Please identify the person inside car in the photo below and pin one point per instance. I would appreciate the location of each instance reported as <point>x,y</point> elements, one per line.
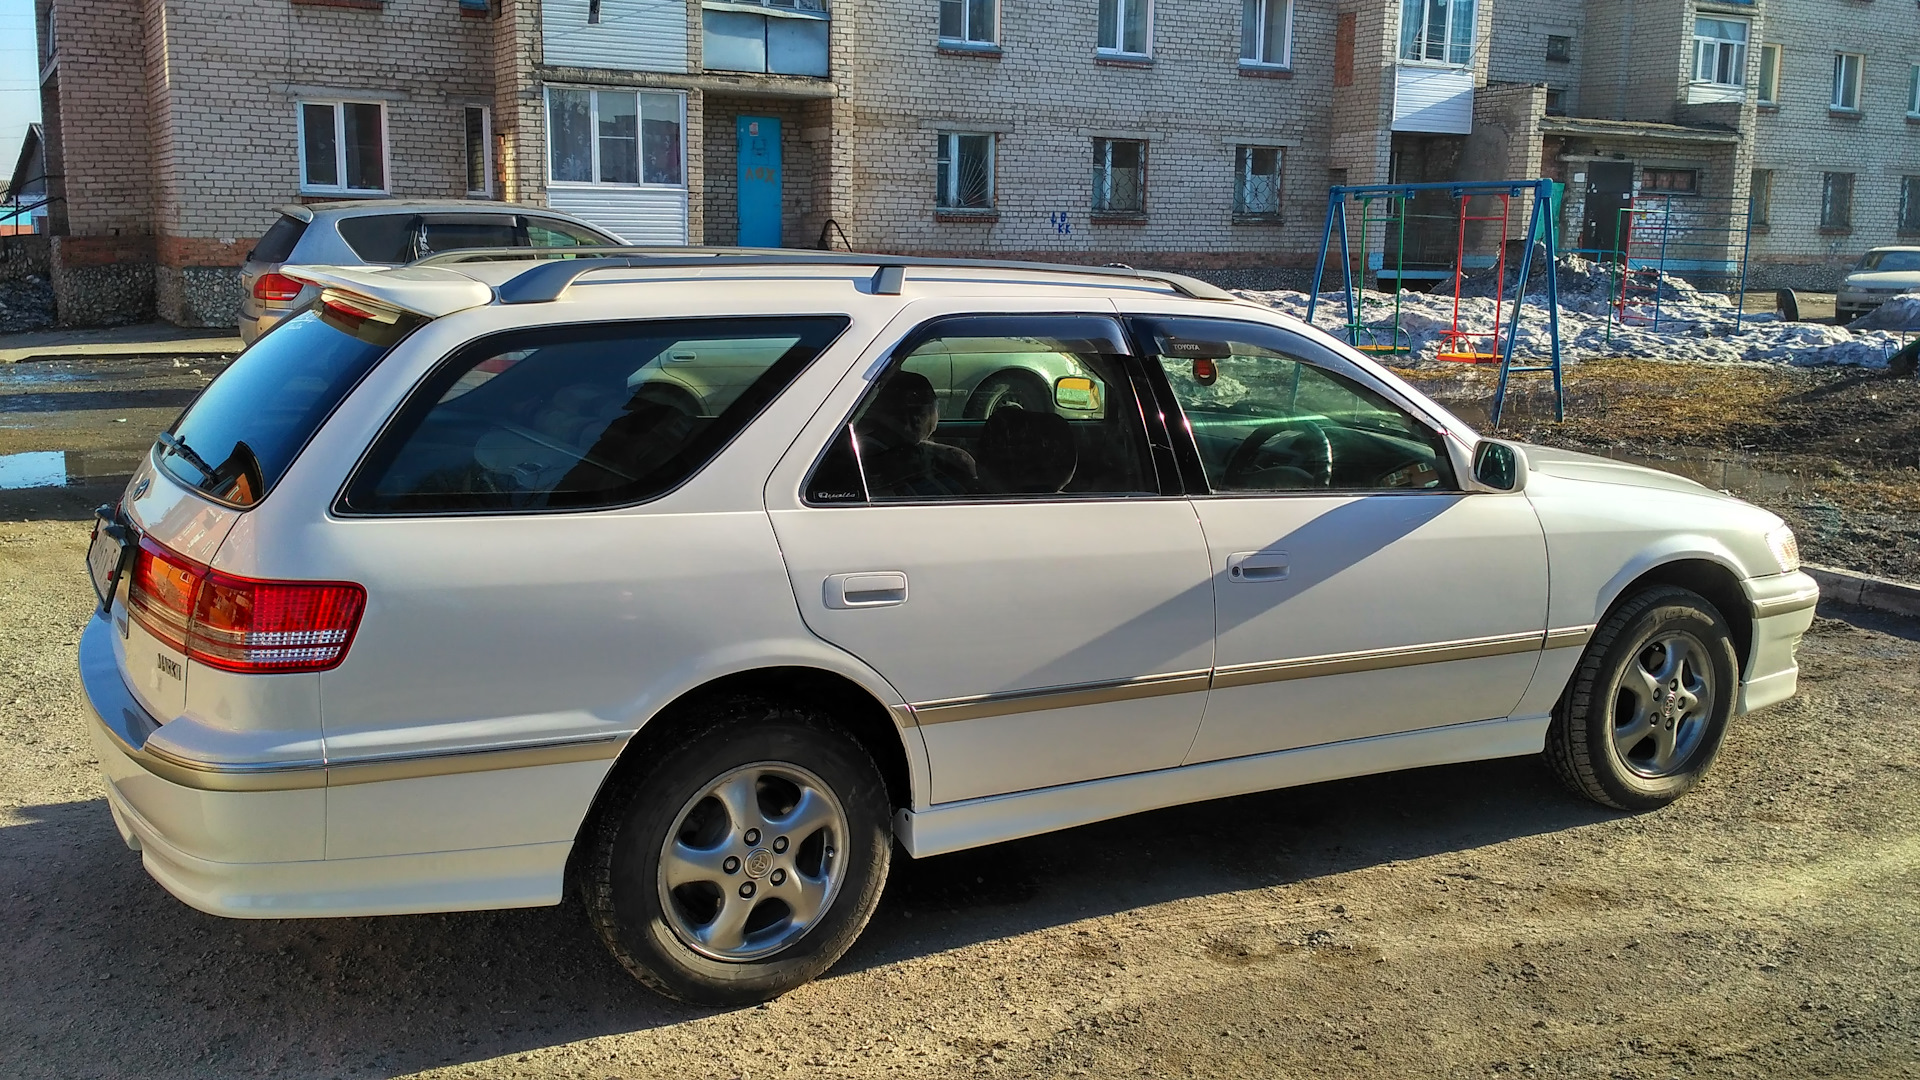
<point>897,450</point>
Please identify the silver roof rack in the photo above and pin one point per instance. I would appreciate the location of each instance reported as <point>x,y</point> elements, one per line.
<point>558,268</point>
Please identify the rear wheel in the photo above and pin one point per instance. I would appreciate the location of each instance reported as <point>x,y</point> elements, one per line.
<point>742,859</point>
<point>1648,707</point>
<point>1011,388</point>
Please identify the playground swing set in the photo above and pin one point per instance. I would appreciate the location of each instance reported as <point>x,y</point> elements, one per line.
<point>1459,345</point>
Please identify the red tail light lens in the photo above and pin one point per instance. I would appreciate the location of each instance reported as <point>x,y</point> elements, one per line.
<point>275,287</point>
<point>242,624</point>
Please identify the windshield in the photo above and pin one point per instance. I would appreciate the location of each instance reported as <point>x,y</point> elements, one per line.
<point>239,436</point>
<point>1891,261</point>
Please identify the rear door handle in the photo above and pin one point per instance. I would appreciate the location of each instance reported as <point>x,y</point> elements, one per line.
<point>1257,566</point>
<point>879,588</point>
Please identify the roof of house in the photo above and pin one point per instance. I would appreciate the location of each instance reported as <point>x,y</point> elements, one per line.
<point>31,166</point>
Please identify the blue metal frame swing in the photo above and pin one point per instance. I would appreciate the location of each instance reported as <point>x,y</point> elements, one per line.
<point>1540,228</point>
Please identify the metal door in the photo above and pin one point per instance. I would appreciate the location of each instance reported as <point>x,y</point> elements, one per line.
<point>1609,191</point>
<point>759,185</point>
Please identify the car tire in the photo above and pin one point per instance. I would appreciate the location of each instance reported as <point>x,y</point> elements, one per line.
<point>1647,709</point>
<point>680,816</point>
<point>1020,389</point>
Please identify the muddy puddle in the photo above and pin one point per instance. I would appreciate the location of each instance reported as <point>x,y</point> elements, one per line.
<point>64,468</point>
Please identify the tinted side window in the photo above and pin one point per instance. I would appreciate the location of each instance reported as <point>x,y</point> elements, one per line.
<point>995,407</point>
<point>581,417</point>
<point>380,238</point>
<point>490,231</point>
<point>278,243</point>
<point>1265,420</point>
<point>550,232</point>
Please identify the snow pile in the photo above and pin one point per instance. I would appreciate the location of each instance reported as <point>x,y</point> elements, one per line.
<point>1900,313</point>
<point>1693,325</point>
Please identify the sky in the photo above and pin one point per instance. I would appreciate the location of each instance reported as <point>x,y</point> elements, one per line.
<point>19,80</point>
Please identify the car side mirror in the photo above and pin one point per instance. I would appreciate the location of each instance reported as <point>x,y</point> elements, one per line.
<point>1498,466</point>
<point>1076,393</point>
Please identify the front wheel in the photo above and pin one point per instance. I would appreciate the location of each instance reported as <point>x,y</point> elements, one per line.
<point>1648,707</point>
<point>743,859</point>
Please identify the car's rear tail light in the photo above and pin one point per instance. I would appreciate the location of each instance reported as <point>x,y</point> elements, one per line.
<point>242,624</point>
<point>275,287</point>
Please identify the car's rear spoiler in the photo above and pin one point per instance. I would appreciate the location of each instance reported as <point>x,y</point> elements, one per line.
<point>420,290</point>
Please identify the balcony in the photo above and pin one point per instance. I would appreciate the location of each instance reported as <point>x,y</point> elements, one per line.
<point>767,37</point>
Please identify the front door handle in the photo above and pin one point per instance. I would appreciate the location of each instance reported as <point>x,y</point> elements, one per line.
<point>881,588</point>
<point>1257,566</point>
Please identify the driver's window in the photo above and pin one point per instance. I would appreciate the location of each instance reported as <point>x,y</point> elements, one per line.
<point>1264,420</point>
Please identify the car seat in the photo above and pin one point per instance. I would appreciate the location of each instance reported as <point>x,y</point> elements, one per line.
<point>1029,452</point>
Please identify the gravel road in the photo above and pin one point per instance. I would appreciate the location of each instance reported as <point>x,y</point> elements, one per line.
<point>1470,920</point>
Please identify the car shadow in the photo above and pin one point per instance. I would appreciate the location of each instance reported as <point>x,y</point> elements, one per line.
<point>94,938</point>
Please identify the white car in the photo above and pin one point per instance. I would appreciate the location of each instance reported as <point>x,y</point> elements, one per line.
<point>1882,274</point>
<point>428,604</point>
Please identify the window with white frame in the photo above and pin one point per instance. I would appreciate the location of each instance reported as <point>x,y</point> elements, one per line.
<point>1256,181</point>
<point>1720,51</point>
<point>614,137</point>
<point>479,124</point>
<point>1913,90</point>
<point>1440,31</point>
<point>1266,32</point>
<point>1126,26</point>
<point>1769,74</point>
<point>1848,68</point>
<point>343,146</point>
<point>1119,176</point>
<point>968,22</point>
<point>964,171</point>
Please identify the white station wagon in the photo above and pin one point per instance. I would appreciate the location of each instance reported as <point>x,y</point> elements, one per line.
<point>432,601</point>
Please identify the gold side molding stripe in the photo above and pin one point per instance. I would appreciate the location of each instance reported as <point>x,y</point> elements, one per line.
<point>1064,697</point>
<point>1783,605</point>
<point>1569,637</point>
<point>303,775</point>
<point>1308,667</point>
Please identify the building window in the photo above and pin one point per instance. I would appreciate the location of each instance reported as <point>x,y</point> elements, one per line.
<point>1256,183</point>
<point>1910,205</point>
<point>479,151</point>
<point>1126,26</point>
<point>968,22</point>
<point>614,137</point>
<point>965,172</point>
<point>782,37</point>
<point>1119,176</point>
<point>343,146</point>
<point>1913,90</point>
<point>1671,182</point>
<point>1437,30</point>
<point>1559,49</point>
<point>1847,70</point>
<point>1836,202</point>
<point>1266,32</point>
<point>1760,199</point>
<point>1720,51</point>
<point>1556,102</point>
<point>1769,74</point>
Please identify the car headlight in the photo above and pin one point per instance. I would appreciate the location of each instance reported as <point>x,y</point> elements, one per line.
<point>1786,549</point>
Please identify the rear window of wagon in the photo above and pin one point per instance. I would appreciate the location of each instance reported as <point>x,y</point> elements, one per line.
<point>239,436</point>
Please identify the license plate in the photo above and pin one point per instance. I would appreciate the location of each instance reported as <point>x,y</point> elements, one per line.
<point>107,556</point>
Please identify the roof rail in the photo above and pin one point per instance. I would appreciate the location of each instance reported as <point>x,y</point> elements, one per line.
<point>598,251</point>
<point>550,280</point>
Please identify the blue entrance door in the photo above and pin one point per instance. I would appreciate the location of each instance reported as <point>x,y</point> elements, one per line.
<point>759,138</point>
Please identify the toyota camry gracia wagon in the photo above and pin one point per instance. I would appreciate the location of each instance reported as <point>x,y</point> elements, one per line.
<point>448,593</point>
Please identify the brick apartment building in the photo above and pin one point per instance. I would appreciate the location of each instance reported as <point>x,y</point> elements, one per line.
<point>1195,133</point>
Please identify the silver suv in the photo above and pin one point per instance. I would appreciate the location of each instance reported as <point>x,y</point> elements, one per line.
<point>386,232</point>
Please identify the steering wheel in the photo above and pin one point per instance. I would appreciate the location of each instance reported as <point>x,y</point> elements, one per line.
<point>1316,464</point>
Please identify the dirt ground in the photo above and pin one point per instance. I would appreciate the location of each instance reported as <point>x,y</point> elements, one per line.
<point>1834,451</point>
<point>1463,921</point>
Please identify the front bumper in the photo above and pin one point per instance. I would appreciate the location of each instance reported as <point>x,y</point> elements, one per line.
<point>1782,606</point>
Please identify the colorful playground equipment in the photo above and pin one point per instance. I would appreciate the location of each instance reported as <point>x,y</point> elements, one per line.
<point>1699,238</point>
<point>1458,344</point>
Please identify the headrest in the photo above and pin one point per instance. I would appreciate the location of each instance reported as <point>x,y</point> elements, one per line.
<point>1029,452</point>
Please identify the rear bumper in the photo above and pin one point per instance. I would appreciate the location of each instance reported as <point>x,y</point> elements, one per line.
<point>1783,606</point>
<point>220,842</point>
